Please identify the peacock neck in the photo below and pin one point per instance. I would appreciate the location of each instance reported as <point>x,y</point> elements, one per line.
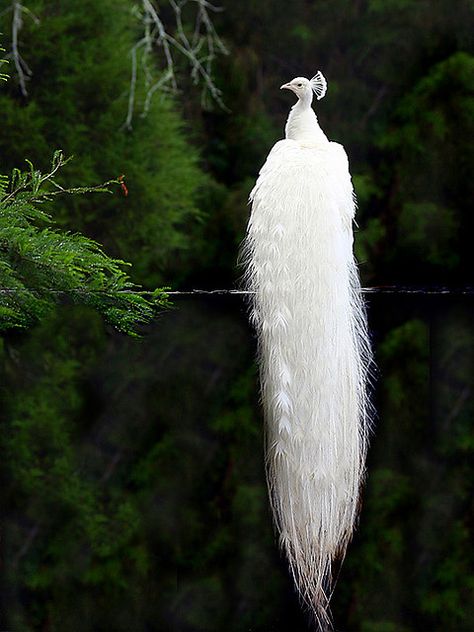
<point>302,124</point>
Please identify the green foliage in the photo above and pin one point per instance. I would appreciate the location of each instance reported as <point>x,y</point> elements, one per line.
<point>428,232</point>
<point>79,56</point>
<point>367,241</point>
<point>85,530</point>
<point>133,487</point>
<point>129,514</point>
<point>41,265</point>
<point>432,126</point>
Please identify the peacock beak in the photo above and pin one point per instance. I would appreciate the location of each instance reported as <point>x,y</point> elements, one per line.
<point>286,86</point>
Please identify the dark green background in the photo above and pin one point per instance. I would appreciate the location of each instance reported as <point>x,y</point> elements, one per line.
<point>133,494</point>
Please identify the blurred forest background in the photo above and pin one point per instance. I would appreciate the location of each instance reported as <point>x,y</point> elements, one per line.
<point>132,480</point>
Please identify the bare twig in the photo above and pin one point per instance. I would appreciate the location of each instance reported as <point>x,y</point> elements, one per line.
<point>17,23</point>
<point>24,72</point>
<point>199,50</point>
<point>133,84</point>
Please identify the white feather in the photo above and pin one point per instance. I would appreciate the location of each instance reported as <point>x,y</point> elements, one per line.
<point>319,85</point>
<point>313,347</point>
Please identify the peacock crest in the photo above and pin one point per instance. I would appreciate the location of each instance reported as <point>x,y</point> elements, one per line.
<point>319,85</point>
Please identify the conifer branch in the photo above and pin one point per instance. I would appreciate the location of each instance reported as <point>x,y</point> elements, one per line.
<point>41,265</point>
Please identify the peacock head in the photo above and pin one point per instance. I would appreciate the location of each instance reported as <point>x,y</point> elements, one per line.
<point>303,88</point>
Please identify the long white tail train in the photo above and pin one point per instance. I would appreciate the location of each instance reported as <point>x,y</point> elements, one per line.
<point>313,345</point>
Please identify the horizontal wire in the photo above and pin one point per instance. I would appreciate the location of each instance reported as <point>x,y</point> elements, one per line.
<point>377,289</point>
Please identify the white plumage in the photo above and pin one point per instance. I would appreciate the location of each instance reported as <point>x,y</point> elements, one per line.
<point>313,345</point>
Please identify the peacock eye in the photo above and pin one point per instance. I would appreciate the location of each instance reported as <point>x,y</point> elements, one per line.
<point>300,85</point>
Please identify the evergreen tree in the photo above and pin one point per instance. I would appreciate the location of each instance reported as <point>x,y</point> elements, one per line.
<point>79,55</point>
